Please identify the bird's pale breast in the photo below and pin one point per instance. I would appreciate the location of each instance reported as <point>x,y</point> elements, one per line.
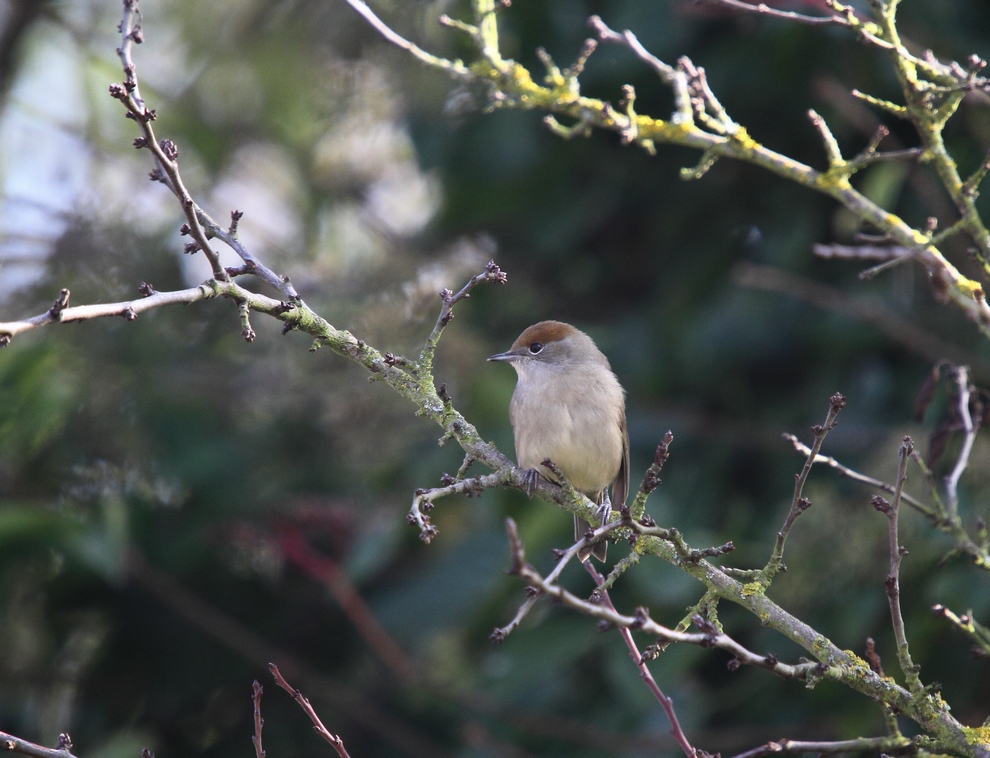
<point>583,439</point>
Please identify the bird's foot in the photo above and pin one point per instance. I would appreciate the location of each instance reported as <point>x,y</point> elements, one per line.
<point>530,477</point>
<point>604,511</point>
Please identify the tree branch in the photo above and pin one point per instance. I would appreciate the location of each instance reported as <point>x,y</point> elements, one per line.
<point>129,309</point>
<point>303,701</point>
<point>892,582</point>
<point>14,744</point>
<point>799,503</point>
<point>639,661</point>
<point>716,135</point>
<point>896,745</point>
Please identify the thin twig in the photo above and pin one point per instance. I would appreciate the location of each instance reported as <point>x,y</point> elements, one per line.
<point>765,10</point>
<point>129,309</point>
<point>969,626</point>
<point>832,150</point>
<point>641,621</point>
<point>423,499</point>
<point>892,582</point>
<point>861,252</point>
<point>799,503</point>
<point>651,479</point>
<point>970,427</point>
<point>165,152</point>
<point>253,265</point>
<point>456,68</point>
<point>492,273</point>
<point>858,477</point>
<point>672,77</point>
<point>333,739</point>
<point>13,744</point>
<point>533,594</point>
<point>665,701</point>
<point>898,745</point>
<point>256,690</point>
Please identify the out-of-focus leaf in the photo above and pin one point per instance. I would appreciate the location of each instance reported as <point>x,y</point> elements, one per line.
<point>926,393</point>
<point>37,395</point>
<point>25,524</point>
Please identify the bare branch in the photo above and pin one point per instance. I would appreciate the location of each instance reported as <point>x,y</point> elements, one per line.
<point>252,264</point>
<point>979,634</point>
<point>455,68</point>
<point>765,10</point>
<point>256,690</point>
<point>14,744</point>
<point>492,273</point>
<point>303,701</point>
<point>644,672</point>
<point>532,593</point>
<point>858,477</point>
<point>835,158</point>
<point>165,151</point>
<point>892,582</point>
<point>423,499</point>
<point>799,503</point>
<point>861,252</point>
<point>128,309</point>
<point>969,428</point>
<point>651,480</point>
<point>716,135</point>
<point>894,745</point>
<point>642,622</point>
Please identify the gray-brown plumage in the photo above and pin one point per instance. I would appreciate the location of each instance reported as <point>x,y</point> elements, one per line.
<point>569,407</point>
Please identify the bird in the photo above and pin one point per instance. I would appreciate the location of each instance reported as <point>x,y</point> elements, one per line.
<point>569,406</point>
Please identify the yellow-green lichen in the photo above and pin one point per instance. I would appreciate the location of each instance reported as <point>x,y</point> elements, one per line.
<point>753,588</point>
<point>979,735</point>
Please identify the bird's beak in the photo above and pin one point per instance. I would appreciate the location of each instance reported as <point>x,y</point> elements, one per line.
<point>508,356</point>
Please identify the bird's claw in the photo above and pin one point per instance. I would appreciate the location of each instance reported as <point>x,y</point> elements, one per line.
<point>604,510</point>
<point>530,477</point>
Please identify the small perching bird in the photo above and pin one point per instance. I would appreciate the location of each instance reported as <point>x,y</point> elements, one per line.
<point>569,407</point>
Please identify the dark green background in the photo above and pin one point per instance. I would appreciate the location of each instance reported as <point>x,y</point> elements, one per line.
<point>172,436</point>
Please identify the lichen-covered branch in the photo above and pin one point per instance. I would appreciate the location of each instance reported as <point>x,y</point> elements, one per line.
<point>932,90</point>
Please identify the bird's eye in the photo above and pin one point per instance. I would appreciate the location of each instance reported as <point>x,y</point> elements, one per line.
<point>536,347</point>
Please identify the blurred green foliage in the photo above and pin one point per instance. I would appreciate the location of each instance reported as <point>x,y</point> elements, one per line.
<point>171,440</point>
